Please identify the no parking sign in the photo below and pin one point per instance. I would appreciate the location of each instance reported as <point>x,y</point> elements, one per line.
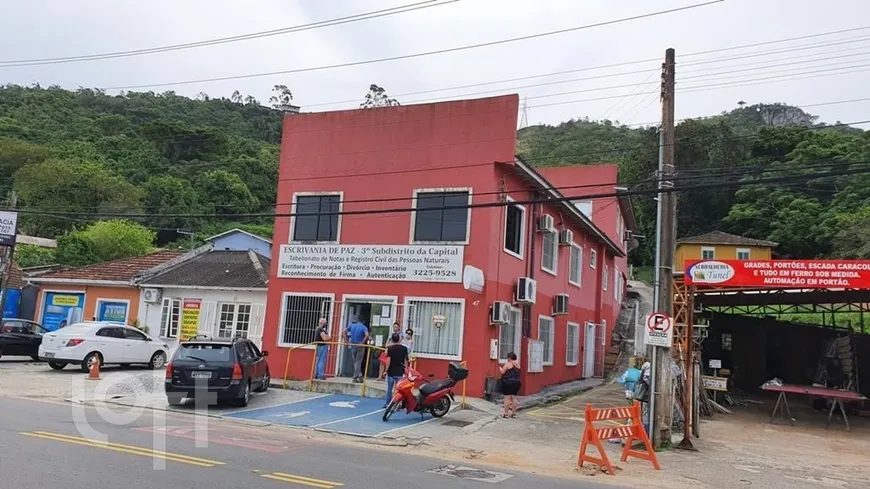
<point>659,330</point>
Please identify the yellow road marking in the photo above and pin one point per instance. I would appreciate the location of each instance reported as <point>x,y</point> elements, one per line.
<point>117,447</point>
<point>304,481</point>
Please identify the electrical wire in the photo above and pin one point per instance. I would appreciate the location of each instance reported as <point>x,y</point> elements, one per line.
<point>423,53</point>
<point>224,40</point>
<point>562,199</point>
<point>708,173</point>
<point>648,60</point>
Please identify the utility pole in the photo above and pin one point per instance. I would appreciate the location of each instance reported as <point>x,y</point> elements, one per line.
<point>188,233</point>
<point>662,398</point>
<point>8,255</point>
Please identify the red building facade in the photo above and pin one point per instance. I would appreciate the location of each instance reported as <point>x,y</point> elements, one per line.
<point>404,214</point>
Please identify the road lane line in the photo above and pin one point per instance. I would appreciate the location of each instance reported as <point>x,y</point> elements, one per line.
<point>304,481</point>
<point>128,449</point>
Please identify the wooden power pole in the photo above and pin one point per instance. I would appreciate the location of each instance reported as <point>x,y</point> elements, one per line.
<point>663,392</point>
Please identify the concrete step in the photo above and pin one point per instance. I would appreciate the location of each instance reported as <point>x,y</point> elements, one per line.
<point>339,385</point>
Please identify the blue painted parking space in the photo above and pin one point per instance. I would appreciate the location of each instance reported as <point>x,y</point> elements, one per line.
<point>336,413</point>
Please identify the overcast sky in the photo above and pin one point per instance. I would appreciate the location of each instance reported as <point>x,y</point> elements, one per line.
<point>53,28</point>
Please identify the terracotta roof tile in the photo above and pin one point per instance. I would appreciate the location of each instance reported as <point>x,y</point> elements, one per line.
<point>720,238</point>
<point>116,270</point>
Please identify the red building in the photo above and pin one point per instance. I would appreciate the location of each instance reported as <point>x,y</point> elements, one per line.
<point>399,215</point>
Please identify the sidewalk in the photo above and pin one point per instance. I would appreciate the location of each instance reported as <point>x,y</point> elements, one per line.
<point>734,451</point>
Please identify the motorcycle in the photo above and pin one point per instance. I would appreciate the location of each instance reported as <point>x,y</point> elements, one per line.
<point>416,394</point>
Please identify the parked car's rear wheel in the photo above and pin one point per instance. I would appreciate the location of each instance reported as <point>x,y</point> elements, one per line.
<point>57,365</point>
<point>90,360</point>
<point>246,395</point>
<point>265,385</point>
<point>158,361</point>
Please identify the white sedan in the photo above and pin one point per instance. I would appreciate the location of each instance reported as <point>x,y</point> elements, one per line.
<point>111,343</point>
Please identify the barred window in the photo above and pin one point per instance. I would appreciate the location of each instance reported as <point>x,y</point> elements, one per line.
<point>572,353</point>
<point>301,316</point>
<point>437,325</point>
<point>509,335</point>
<point>546,334</point>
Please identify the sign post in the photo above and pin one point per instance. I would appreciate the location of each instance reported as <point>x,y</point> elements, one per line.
<point>659,332</point>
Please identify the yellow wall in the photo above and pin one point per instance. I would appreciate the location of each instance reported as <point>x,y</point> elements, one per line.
<point>722,252</point>
<point>92,294</point>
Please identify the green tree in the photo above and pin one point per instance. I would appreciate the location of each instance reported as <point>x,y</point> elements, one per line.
<point>166,194</point>
<point>224,192</point>
<point>15,155</point>
<point>27,255</point>
<point>377,97</point>
<point>104,241</point>
<point>71,186</point>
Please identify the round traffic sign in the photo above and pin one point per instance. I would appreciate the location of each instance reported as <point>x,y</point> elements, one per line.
<point>659,322</point>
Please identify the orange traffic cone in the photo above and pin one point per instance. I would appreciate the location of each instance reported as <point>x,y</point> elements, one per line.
<point>94,369</point>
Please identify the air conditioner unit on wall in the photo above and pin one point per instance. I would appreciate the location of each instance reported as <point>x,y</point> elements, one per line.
<point>566,237</point>
<point>527,289</point>
<point>500,313</point>
<point>560,304</point>
<point>151,295</point>
<point>546,224</point>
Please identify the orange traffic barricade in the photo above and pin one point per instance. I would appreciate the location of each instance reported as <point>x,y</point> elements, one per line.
<point>631,432</point>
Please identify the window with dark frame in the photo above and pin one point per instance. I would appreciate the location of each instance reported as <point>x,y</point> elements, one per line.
<point>513,230</point>
<point>434,223</point>
<point>316,217</point>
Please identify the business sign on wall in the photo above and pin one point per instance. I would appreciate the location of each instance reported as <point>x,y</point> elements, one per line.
<point>803,274</point>
<point>404,263</point>
<point>8,227</point>
<point>190,317</point>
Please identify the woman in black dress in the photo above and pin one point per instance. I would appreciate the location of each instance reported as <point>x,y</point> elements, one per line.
<point>510,384</point>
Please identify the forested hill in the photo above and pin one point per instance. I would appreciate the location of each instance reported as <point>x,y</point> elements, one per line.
<point>814,217</point>
<point>86,152</point>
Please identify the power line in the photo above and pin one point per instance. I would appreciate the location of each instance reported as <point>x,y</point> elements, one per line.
<point>710,172</point>
<point>224,40</point>
<point>499,203</point>
<point>424,53</point>
<point>628,63</point>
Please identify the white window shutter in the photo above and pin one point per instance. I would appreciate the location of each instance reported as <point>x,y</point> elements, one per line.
<point>207,322</point>
<point>255,334</point>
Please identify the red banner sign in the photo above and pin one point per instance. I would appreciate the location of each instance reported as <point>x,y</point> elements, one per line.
<point>798,274</point>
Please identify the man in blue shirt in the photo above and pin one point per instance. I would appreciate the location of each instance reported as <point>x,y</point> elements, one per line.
<point>358,336</point>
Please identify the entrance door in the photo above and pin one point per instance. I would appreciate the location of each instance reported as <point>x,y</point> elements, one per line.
<point>589,351</point>
<point>378,318</point>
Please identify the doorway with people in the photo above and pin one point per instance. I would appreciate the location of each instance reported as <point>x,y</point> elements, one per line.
<point>377,314</point>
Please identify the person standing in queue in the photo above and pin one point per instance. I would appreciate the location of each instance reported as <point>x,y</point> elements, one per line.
<point>510,385</point>
<point>320,334</point>
<point>397,361</point>
<point>397,329</point>
<point>358,336</point>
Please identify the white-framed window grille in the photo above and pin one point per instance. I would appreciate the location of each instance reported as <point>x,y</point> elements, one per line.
<point>438,325</point>
<point>572,352</point>
<point>546,334</point>
<point>509,335</point>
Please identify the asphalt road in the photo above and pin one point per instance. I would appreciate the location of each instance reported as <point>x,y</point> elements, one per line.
<point>43,445</point>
